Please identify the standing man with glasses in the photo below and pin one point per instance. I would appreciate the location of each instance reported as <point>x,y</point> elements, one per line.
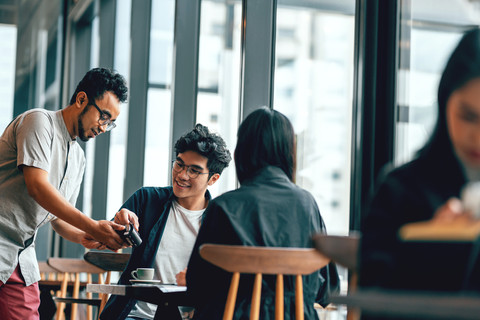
<point>170,218</point>
<point>41,170</point>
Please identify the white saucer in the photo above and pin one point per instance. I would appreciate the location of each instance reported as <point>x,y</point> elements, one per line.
<point>134,281</point>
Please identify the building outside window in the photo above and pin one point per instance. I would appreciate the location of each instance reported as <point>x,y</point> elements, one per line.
<point>313,88</point>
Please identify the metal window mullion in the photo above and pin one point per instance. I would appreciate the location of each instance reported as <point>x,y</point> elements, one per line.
<point>185,67</point>
<point>258,55</point>
<point>374,105</point>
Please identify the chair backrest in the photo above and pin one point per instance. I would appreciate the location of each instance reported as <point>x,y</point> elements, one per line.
<point>70,266</point>
<point>264,260</point>
<point>341,249</point>
<point>46,271</point>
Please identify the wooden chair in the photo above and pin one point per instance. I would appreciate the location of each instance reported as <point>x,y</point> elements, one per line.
<point>47,272</point>
<point>75,267</point>
<point>344,251</point>
<point>264,260</point>
<point>108,261</point>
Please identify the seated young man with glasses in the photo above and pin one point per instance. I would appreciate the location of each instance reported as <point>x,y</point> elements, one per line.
<point>170,217</point>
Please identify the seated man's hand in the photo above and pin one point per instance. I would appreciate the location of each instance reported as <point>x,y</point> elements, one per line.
<point>181,277</point>
<point>125,216</point>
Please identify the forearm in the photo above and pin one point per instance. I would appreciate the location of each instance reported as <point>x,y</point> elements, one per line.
<point>67,231</point>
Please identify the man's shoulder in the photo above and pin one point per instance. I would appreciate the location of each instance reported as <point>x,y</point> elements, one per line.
<point>35,119</point>
<point>159,193</point>
<point>39,113</point>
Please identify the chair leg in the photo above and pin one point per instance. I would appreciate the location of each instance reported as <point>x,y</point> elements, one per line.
<point>89,296</point>
<point>299,315</point>
<point>257,292</point>
<point>279,308</point>
<point>76,290</point>
<point>353,314</point>
<point>232,297</point>
<point>63,293</point>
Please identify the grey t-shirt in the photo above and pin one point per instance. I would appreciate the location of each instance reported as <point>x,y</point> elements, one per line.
<point>37,138</point>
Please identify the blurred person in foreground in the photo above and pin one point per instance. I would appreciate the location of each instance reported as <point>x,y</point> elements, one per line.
<point>428,188</point>
<point>170,217</point>
<point>41,170</point>
<point>267,210</point>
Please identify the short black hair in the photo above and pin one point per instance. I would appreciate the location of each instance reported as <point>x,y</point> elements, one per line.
<point>208,144</point>
<point>265,138</point>
<point>100,80</point>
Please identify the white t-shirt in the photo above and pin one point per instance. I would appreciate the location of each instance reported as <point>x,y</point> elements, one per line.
<point>173,252</point>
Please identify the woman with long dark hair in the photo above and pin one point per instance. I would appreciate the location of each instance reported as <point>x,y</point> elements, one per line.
<point>429,187</point>
<point>267,210</point>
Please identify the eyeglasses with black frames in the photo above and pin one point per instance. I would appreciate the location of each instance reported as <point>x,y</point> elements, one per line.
<point>104,119</point>
<point>191,172</point>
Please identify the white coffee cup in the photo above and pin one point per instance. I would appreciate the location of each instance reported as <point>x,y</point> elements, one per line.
<point>143,273</point>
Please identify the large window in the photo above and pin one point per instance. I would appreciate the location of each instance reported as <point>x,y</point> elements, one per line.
<point>313,88</point>
<point>8,34</point>
<point>428,35</point>
<point>219,76</point>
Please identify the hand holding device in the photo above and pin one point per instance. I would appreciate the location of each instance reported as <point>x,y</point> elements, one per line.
<point>130,235</point>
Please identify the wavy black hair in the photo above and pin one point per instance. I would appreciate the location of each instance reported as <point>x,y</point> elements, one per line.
<point>208,144</point>
<point>100,80</point>
<point>265,138</point>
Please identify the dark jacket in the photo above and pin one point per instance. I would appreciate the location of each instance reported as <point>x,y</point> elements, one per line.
<point>411,193</point>
<point>268,210</point>
<point>152,206</point>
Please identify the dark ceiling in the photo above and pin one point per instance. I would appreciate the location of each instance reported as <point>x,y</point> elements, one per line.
<point>8,11</point>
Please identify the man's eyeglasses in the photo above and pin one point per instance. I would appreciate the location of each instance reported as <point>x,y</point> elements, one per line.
<point>191,172</point>
<point>104,119</point>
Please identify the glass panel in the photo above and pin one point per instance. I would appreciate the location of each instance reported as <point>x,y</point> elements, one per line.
<point>161,42</point>
<point>430,31</point>
<point>157,161</point>
<point>118,137</point>
<point>313,88</point>
<point>8,46</point>
<point>159,115</point>
<point>219,76</point>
